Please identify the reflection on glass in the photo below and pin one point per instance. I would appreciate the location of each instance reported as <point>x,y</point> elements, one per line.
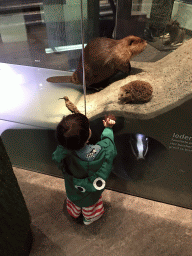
<point>34,31</point>
<point>167,26</point>
<point>139,145</point>
<point>43,38</point>
<point>47,33</point>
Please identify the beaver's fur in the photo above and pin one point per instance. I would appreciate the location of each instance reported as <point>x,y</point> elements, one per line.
<point>103,57</point>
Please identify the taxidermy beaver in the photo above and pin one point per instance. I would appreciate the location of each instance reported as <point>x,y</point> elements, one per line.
<point>103,57</point>
<point>135,92</point>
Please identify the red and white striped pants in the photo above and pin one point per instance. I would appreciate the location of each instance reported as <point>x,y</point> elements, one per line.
<point>90,213</point>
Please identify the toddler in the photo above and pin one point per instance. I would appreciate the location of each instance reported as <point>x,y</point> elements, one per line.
<point>85,167</point>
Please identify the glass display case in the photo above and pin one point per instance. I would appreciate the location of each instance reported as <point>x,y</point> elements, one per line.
<point>42,39</point>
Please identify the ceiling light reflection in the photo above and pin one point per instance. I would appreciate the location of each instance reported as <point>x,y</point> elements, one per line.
<point>11,91</point>
<point>65,48</point>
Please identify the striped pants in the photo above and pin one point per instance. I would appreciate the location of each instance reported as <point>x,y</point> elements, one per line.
<point>89,213</point>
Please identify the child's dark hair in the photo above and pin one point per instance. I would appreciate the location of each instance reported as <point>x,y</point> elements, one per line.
<point>73,131</point>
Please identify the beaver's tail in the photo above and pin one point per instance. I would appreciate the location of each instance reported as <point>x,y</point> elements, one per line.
<point>76,78</point>
<point>60,79</point>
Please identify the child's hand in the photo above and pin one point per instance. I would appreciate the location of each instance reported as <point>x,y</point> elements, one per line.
<point>109,122</point>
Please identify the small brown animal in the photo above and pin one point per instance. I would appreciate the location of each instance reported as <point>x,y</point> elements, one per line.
<point>70,105</point>
<point>135,92</point>
<point>103,57</point>
<point>177,34</point>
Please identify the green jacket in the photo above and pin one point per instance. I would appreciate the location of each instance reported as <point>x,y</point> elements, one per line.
<point>85,181</point>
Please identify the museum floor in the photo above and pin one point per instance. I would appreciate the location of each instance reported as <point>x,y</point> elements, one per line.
<point>131,225</point>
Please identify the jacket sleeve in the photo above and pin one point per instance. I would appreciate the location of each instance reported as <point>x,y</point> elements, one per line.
<point>107,140</point>
<point>107,133</point>
<point>59,154</point>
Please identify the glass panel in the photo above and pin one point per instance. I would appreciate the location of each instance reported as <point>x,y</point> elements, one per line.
<point>44,33</point>
<point>34,31</point>
<point>168,23</point>
<point>164,24</point>
<point>42,38</point>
